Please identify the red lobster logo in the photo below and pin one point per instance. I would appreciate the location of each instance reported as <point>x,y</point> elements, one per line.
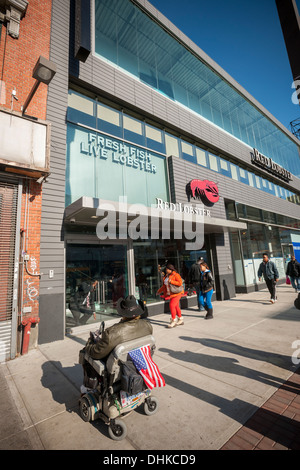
<point>205,190</point>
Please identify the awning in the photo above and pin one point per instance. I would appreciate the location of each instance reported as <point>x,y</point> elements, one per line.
<point>90,211</point>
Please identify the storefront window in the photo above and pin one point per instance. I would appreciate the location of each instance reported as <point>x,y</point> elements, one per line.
<point>102,166</point>
<point>237,259</point>
<point>151,257</point>
<point>85,264</point>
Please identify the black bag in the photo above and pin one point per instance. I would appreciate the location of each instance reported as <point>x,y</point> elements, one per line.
<point>131,381</point>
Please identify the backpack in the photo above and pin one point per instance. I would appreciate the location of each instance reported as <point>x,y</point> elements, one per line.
<point>131,381</point>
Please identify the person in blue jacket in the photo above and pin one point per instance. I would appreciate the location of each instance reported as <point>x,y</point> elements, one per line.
<point>206,289</point>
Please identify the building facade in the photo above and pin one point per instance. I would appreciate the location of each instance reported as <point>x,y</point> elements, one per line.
<point>147,131</point>
<point>24,162</point>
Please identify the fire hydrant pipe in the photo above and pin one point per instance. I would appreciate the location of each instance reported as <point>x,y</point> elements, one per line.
<point>27,322</point>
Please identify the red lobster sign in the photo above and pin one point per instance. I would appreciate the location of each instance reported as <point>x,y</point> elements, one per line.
<point>205,190</point>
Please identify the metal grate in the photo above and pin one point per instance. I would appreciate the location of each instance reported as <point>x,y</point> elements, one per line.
<point>8,217</point>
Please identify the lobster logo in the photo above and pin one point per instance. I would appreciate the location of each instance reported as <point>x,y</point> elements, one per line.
<point>205,190</point>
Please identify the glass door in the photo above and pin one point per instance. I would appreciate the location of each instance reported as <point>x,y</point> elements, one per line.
<point>96,277</point>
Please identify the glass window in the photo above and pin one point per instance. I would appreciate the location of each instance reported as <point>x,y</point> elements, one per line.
<point>81,109</point>
<point>201,157</point>
<point>150,258</point>
<point>213,162</point>
<point>109,120</point>
<point>234,172</point>
<point>237,259</point>
<point>172,145</point>
<point>129,38</point>
<point>251,178</point>
<point>85,264</point>
<point>133,130</point>
<point>188,152</point>
<point>258,181</point>
<point>92,157</point>
<point>225,167</point>
<point>243,175</point>
<point>154,138</point>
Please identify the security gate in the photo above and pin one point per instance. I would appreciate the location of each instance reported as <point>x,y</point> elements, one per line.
<point>8,267</point>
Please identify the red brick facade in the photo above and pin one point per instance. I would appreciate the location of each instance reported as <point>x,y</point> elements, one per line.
<point>17,60</point>
<point>21,55</point>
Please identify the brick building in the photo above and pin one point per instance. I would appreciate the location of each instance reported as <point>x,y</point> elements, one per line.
<point>24,163</point>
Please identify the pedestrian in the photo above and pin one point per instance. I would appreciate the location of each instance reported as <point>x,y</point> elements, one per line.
<point>172,282</point>
<point>270,273</point>
<point>206,290</point>
<point>83,302</point>
<point>293,271</point>
<point>132,325</point>
<point>194,279</point>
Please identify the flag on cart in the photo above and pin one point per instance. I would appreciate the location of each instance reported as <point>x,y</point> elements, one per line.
<point>141,357</point>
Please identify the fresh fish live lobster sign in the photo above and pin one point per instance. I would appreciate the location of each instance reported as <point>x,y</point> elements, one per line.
<point>205,190</point>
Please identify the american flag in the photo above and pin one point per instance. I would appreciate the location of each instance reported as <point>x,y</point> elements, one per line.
<point>142,360</point>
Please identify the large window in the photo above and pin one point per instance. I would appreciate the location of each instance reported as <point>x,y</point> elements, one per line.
<point>130,39</point>
<point>151,257</point>
<point>111,121</point>
<point>266,233</point>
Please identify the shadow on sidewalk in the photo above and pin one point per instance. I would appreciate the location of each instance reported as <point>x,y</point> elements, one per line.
<point>224,364</point>
<point>257,354</point>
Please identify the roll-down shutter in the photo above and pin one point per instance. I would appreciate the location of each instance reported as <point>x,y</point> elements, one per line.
<point>8,218</point>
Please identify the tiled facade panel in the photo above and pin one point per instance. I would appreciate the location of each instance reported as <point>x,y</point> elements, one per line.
<point>183,172</point>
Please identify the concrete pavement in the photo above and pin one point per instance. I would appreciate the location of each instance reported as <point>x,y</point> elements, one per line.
<point>218,373</point>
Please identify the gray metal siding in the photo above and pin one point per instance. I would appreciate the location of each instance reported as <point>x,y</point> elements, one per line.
<point>182,172</point>
<point>52,244</point>
<point>124,88</point>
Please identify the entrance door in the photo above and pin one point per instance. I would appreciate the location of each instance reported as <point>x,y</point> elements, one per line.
<point>86,263</point>
<point>287,252</point>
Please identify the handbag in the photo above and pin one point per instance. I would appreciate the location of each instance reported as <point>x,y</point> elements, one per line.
<point>176,289</point>
<point>288,281</point>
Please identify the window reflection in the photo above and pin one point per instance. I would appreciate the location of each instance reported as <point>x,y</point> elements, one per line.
<point>111,121</point>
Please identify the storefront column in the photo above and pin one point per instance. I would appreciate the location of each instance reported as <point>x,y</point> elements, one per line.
<point>223,269</point>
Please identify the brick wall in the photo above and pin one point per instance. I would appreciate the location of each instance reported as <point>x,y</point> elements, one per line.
<point>17,60</point>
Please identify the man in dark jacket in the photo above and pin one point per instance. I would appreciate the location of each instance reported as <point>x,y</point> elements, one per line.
<point>83,302</point>
<point>268,269</point>
<point>130,327</point>
<point>194,279</point>
<point>293,271</point>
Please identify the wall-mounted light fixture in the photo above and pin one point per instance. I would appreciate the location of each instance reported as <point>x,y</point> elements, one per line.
<point>43,72</point>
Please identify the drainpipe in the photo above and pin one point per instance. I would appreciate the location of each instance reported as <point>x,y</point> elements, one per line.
<point>27,322</point>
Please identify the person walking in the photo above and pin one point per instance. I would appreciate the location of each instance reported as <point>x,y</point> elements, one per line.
<point>270,273</point>
<point>206,290</point>
<point>172,278</point>
<point>194,279</point>
<point>293,271</point>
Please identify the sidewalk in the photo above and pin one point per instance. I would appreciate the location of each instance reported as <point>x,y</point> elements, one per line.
<point>230,383</point>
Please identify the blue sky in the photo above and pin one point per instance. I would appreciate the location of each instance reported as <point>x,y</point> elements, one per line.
<point>245,38</point>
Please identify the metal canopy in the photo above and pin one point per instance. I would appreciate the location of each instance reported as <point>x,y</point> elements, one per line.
<point>84,212</point>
